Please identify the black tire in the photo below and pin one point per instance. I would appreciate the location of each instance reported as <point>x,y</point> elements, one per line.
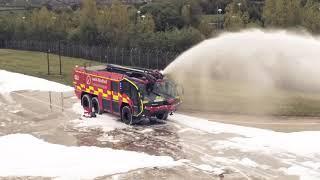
<point>86,101</point>
<point>162,116</point>
<point>96,106</point>
<point>126,115</point>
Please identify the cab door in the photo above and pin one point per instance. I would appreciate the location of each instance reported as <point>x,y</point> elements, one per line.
<point>115,97</point>
<point>132,92</point>
<point>135,99</point>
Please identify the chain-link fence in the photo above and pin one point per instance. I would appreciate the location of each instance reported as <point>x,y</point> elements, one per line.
<point>147,58</point>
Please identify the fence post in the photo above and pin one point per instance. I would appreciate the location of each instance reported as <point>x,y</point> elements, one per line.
<point>132,64</point>
<point>48,62</point>
<point>60,65</point>
<point>108,55</point>
<point>115,55</point>
<point>100,54</point>
<point>157,54</point>
<point>139,58</point>
<point>122,51</point>
<point>148,63</point>
<point>50,101</point>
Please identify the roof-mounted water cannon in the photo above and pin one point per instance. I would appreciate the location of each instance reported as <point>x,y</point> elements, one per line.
<point>139,73</point>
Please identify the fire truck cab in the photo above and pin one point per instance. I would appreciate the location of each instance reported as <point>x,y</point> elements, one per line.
<point>131,93</point>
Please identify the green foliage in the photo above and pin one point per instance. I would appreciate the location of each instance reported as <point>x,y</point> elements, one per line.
<point>179,40</point>
<point>145,24</point>
<point>161,24</point>
<point>172,40</point>
<point>21,29</point>
<point>237,16</point>
<point>88,28</point>
<point>212,6</point>
<point>42,22</point>
<point>211,25</point>
<point>311,16</point>
<point>166,14</point>
<point>113,24</point>
<point>282,13</point>
<point>6,28</point>
<point>186,14</point>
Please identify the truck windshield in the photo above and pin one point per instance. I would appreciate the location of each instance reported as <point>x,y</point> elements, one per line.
<point>164,88</point>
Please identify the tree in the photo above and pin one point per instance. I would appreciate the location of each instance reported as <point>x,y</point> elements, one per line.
<point>311,16</point>
<point>41,23</point>
<point>6,28</point>
<point>104,27</point>
<point>119,16</point>
<point>212,6</point>
<point>63,25</point>
<point>145,24</point>
<point>21,27</point>
<point>166,14</point>
<point>114,23</point>
<point>205,28</point>
<point>236,16</point>
<point>88,28</point>
<point>186,14</point>
<point>179,40</point>
<point>282,13</point>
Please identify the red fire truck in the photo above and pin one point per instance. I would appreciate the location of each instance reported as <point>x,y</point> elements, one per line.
<point>131,93</point>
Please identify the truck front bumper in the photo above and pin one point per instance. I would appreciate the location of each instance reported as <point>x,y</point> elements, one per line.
<point>154,110</point>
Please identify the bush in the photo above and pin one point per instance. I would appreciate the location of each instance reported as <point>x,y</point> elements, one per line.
<point>180,40</point>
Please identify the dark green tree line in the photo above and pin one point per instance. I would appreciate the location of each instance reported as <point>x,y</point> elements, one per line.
<point>161,24</point>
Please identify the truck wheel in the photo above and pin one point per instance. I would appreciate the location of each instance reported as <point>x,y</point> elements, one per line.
<point>126,115</point>
<point>96,106</point>
<point>86,101</point>
<point>162,116</point>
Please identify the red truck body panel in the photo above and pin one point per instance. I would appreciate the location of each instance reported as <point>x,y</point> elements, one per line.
<point>99,84</point>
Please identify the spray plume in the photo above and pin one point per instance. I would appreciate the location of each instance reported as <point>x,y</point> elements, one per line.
<point>252,71</point>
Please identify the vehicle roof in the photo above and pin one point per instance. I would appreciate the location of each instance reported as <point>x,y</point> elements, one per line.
<point>102,73</point>
<point>116,72</point>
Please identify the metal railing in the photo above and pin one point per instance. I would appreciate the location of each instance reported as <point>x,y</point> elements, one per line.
<point>147,58</point>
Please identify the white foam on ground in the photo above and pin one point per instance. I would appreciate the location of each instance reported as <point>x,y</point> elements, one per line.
<point>106,137</point>
<point>254,139</point>
<point>146,130</point>
<point>205,167</point>
<point>10,82</point>
<point>303,172</point>
<point>248,162</point>
<point>278,145</point>
<point>103,122</point>
<point>26,155</point>
<point>106,122</point>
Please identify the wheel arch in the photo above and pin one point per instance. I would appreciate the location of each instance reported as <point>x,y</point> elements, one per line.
<point>125,104</point>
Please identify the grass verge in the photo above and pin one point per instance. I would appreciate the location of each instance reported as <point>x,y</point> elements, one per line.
<point>35,64</point>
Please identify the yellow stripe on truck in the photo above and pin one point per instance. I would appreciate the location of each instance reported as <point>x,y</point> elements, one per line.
<point>124,100</point>
<point>115,97</point>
